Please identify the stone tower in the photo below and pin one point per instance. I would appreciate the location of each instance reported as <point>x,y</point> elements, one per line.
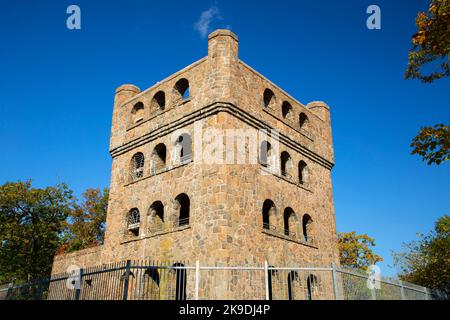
<point>216,163</point>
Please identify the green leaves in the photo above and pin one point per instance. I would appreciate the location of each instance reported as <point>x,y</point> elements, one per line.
<point>31,221</point>
<point>36,223</point>
<point>86,225</point>
<point>427,261</point>
<point>432,144</point>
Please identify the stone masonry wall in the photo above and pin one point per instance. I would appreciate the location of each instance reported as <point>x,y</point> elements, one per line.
<point>226,200</point>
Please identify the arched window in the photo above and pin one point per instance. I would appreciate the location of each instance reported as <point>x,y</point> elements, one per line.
<point>159,157</point>
<point>286,164</point>
<point>302,172</point>
<point>312,286</point>
<point>268,98</point>
<point>268,210</point>
<point>289,222</point>
<point>306,226</point>
<point>137,112</point>
<point>302,120</point>
<point>159,101</point>
<point>182,88</point>
<point>137,166</point>
<point>273,276</point>
<point>177,281</point>
<point>293,283</point>
<point>286,109</point>
<point>134,220</point>
<point>156,216</point>
<point>265,153</point>
<point>150,285</point>
<point>183,205</point>
<point>184,147</point>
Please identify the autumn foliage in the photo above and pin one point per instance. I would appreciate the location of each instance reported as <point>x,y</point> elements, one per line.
<point>356,251</point>
<point>36,223</point>
<point>433,144</point>
<point>431,43</point>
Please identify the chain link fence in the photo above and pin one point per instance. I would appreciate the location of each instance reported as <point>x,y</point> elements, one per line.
<point>151,280</point>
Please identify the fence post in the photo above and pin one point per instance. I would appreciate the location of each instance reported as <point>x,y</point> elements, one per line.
<point>127,279</point>
<point>402,289</point>
<point>266,279</point>
<point>335,285</point>
<point>427,296</point>
<point>9,292</point>
<point>374,293</point>
<point>78,290</point>
<point>197,278</point>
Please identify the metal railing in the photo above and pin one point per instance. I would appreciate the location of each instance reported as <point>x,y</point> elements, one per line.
<point>158,167</point>
<point>185,159</point>
<point>286,175</point>
<point>152,280</point>
<point>137,173</point>
<point>287,233</point>
<point>167,227</point>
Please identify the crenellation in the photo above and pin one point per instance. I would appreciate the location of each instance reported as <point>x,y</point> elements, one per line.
<point>207,167</point>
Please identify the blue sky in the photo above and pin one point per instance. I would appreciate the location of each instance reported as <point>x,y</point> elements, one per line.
<point>57,91</point>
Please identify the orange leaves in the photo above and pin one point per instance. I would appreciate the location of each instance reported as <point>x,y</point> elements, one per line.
<point>431,43</point>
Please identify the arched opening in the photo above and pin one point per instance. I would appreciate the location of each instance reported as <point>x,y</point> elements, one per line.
<point>156,216</point>
<point>291,281</point>
<point>159,157</point>
<point>286,164</point>
<point>286,109</point>
<point>289,222</point>
<point>150,288</point>
<point>265,152</point>
<point>183,205</point>
<point>137,166</point>
<point>184,147</point>
<point>302,172</point>
<point>159,101</point>
<point>137,112</point>
<point>133,221</point>
<point>182,88</point>
<point>312,286</point>
<point>272,276</point>
<point>306,226</point>
<point>178,274</point>
<point>267,211</point>
<point>268,98</point>
<point>302,120</point>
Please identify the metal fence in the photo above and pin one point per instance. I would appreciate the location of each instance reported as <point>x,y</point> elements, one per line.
<point>151,280</point>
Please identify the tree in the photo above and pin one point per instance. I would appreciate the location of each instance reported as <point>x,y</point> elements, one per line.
<point>85,226</point>
<point>431,42</point>
<point>426,261</point>
<point>433,144</point>
<point>355,250</point>
<point>31,223</point>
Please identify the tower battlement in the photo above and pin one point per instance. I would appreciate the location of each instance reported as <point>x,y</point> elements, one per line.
<point>169,203</point>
